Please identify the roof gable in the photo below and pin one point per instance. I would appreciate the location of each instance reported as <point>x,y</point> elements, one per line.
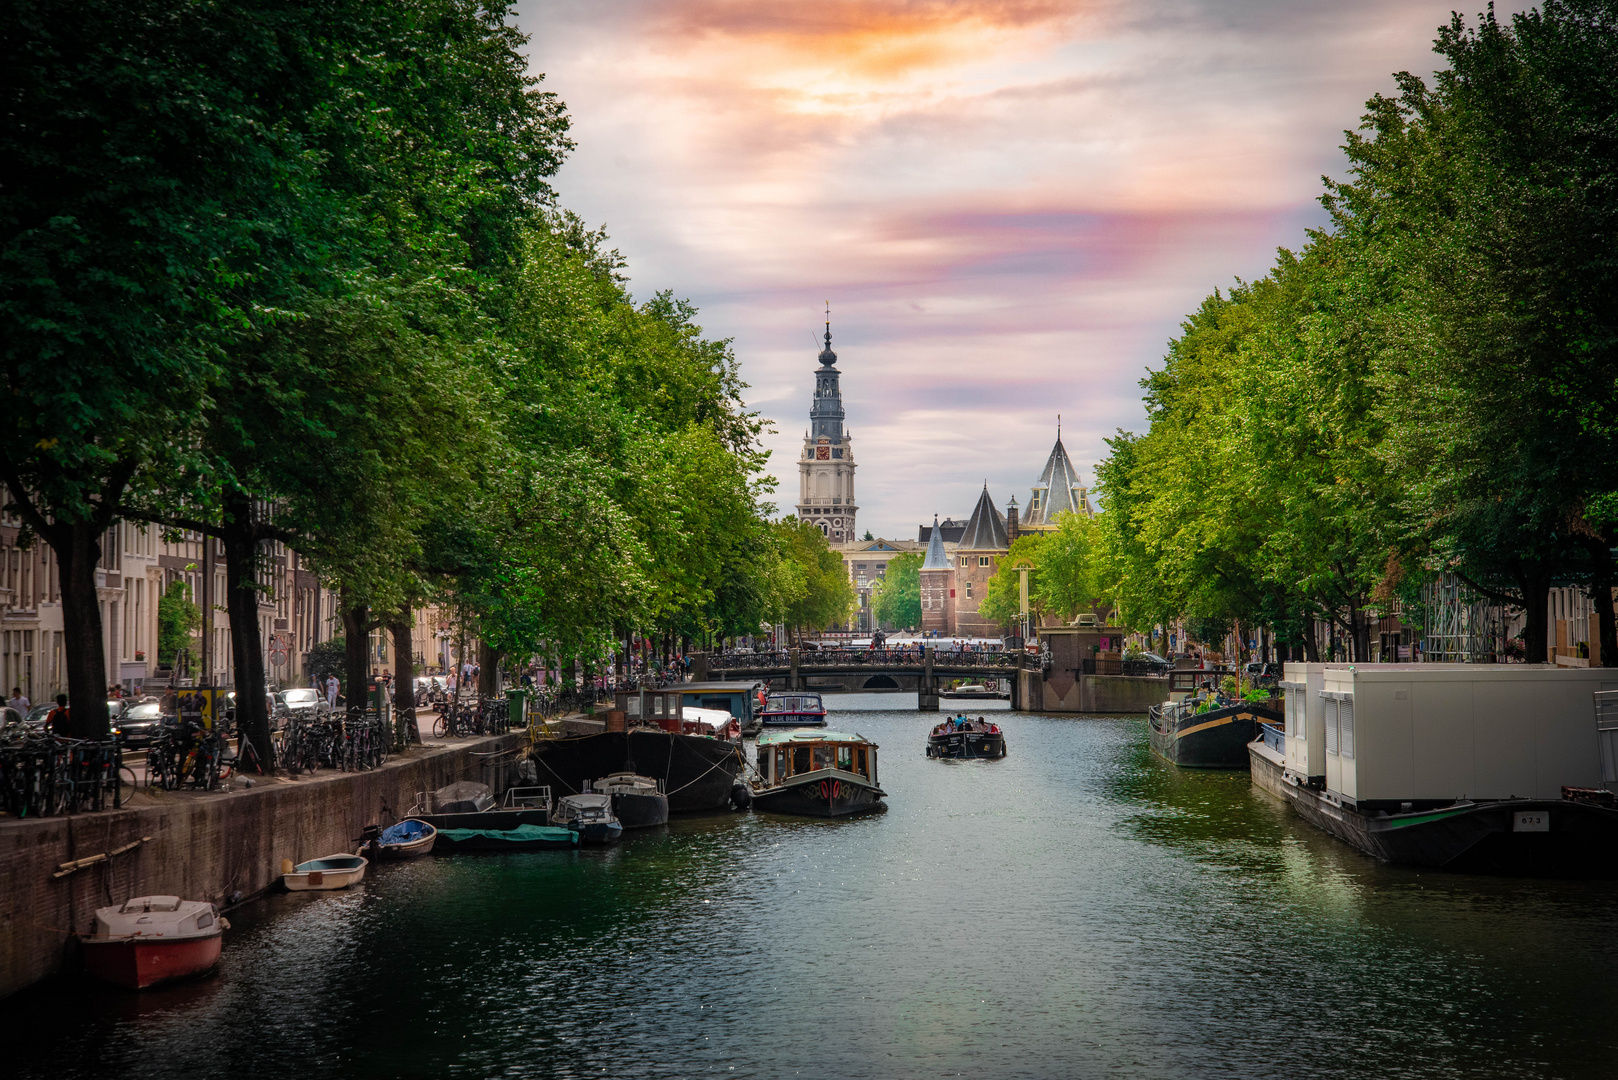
<point>986,529</point>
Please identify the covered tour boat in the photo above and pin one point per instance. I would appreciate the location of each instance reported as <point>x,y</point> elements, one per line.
<point>816,773</point>
<point>793,709</point>
<point>961,737</point>
<point>511,838</point>
<point>154,939</point>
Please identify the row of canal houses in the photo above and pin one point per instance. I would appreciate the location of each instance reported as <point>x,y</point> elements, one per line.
<point>138,565</point>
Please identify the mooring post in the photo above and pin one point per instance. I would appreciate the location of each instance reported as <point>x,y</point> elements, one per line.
<point>927,692</point>
<point>792,677</point>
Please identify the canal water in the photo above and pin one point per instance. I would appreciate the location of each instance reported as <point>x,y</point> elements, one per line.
<point>1078,909</point>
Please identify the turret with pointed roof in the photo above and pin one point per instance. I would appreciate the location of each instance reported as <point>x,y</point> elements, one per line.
<point>936,559</point>
<point>986,528</point>
<point>1057,491</point>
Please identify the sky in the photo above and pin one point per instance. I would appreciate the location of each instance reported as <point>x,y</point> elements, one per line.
<point>1010,205</point>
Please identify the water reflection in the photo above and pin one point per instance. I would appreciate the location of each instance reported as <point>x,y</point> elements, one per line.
<point>1078,908</point>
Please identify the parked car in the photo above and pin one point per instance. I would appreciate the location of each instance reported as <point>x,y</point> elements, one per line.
<point>1262,673</point>
<point>1146,663</point>
<point>304,702</point>
<point>141,723</point>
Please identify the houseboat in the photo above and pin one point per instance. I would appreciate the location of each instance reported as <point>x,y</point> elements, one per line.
<point>1205,734</point>
<point>1489,768</point>
<point>645,733</point>
<point>816,773</point>
<point>793,709</point>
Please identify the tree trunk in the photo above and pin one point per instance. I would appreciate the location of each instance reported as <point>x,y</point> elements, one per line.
<point>1535,583</point>
<point>356,651</point>
<point>78,548</point>
<point>488,670</point>
<point>1311,650</point>
<point>246,645</point>
<point>404,690</point>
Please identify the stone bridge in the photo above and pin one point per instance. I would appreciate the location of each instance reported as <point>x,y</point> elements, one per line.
<point>925,669</point>
<point>1065,678</point>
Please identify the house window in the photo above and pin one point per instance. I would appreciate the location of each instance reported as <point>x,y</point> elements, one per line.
<point>969,590</point>
<point>963,560</point>
<point>983,560</point>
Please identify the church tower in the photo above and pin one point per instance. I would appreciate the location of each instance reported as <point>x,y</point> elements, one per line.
<point>826,466</point>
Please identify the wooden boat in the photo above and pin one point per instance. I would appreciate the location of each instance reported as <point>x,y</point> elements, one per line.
<point>1214,738</point>
<point>590,815</point>
<point>332,872</point>
<point>409,839</point>
<point>515,838</point>
<point>816,773</point>
<point>637,801</point>
<point>963,738</point>
<point>154,939</point>
<point>793,709</point>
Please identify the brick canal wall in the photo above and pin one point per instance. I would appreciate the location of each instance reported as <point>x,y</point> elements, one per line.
<point>1107,695</point>
<point>203,846</point>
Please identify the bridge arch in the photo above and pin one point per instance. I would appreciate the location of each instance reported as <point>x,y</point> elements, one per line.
<point>881,682</point>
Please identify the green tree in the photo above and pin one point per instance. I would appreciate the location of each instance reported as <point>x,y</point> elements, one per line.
<point>828,596</point>
<point>177,622</point>
<point>897,602</point>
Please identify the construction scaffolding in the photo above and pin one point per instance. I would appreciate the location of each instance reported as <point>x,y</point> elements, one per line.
<point>1459,626</point>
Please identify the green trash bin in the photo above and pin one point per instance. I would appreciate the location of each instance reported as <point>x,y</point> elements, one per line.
<point>516,705</point>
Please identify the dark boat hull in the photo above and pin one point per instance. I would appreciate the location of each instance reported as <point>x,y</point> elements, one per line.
<point>1577,839</point>
<point>697,772</point>
<point>832,797</point>
<point>640,811</point>
<point>553,841</point>
<point>1216,739</point>
<point>967,744</point>
<point>138,964</point>
<point>487,819</point>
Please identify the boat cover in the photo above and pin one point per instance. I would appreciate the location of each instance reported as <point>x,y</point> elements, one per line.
<point>463,797</point>
<point>405,832</point>
<point>516,833</point>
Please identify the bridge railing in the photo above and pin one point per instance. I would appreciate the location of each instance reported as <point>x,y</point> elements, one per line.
<point>886,659</point>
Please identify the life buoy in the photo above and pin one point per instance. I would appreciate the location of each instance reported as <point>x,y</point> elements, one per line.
<point>825,789</point>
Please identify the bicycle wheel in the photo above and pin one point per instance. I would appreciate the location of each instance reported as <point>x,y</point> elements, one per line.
<point>440,728</point>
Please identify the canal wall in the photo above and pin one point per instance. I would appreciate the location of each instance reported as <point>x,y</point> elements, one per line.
<point>1107,695</point>
<point>219,846</point>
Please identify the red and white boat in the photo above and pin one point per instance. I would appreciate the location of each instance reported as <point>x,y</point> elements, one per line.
<point>154,939</point>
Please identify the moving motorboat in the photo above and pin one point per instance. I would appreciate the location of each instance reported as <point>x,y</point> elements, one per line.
<point>793,709</point>
<point>961,737</point>
<point>590,815</point>
<point>332,872</point>
<point>817,773</point>
<point>154,939</point>
<point>637,801</point>
<point>975,691</point>
<point>409,839</point>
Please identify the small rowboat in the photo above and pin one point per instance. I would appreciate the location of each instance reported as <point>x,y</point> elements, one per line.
<point>154,939</point>
<point>332,872</point>
<point>409,839</point>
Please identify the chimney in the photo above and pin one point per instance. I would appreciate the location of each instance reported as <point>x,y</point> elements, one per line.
<point>1011,521</point>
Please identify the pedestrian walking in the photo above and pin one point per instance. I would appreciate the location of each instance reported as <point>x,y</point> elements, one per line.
<point>18,701</point>
<point>331,691</point>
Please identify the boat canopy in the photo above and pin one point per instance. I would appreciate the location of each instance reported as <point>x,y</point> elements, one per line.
<point>777,738</point>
